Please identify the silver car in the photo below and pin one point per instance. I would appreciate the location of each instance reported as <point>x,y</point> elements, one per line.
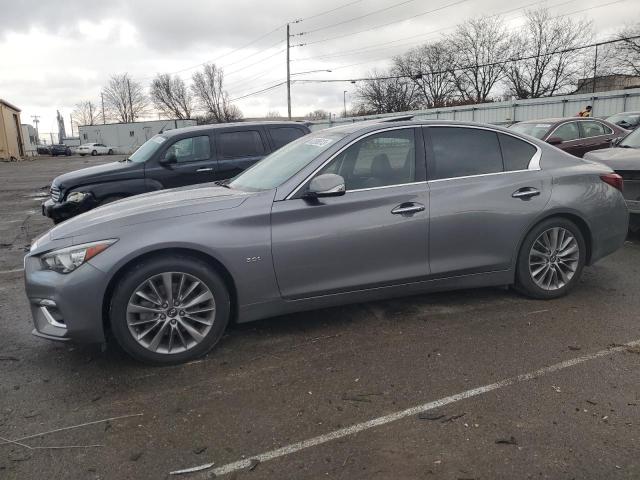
<point>349,214</point>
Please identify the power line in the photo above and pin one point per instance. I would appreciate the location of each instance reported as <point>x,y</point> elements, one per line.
<point>257,92</point>
<point>329,11</point>
<point>353,19</point>
<point>457,2</point>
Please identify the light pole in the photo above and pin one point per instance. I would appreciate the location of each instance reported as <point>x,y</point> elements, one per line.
<point>344,102</point>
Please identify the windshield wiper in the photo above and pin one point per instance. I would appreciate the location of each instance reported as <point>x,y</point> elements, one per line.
<point>124,160</point>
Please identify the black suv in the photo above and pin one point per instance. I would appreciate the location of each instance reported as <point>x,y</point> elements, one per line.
<point>184,156</point>
<point>60,150</point>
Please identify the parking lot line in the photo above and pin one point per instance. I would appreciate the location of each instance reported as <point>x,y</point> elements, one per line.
<point>393,417</point>
<point>15,270</point>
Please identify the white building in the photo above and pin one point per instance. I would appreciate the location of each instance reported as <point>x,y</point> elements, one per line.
<point>29,140</point>
<point>125,138</point>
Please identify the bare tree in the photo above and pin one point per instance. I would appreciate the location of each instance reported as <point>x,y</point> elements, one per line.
<point>628,50</point>
<point>546,68</point>
<point>430,68</point>
<point>208,88</point>
<point>86,113</point>
<point>124,98</point>
<point>479,47</point>
<point>171,96</point>
<point>318,114</point>
<point>386,93</point>
<point>273,115</point>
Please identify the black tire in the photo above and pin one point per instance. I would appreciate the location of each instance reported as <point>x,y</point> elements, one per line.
<point>146,269</point>
<point>525,283</point>
<point>94,153</point>
<point>110,152</point>
<point>67,153</point>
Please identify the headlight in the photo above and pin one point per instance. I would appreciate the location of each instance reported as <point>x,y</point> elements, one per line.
<point>76,197</point>
<point>68,259</point>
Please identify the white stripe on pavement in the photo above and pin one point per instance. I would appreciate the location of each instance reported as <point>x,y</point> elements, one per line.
<point>15,270</point>
<point>392,417</point>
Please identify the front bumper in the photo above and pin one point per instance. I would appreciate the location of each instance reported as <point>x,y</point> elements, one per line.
<point>59,211</point>
<point>66,307</point>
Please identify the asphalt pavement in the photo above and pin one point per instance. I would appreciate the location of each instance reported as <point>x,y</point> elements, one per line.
<point>474,384</point>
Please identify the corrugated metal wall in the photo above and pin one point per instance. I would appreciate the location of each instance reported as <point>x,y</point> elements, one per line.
<point>604,104</point>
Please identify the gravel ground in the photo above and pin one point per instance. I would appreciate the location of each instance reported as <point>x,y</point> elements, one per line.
<point>274,383</point>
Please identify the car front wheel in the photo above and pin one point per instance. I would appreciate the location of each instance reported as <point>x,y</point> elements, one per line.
<point>169,310</point>
<point>94,153</point>
<point>551,259</point>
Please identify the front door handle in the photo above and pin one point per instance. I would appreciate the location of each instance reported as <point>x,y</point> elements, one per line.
<point>526,193</point>
<point>408,208</point>
<point>204,170</point>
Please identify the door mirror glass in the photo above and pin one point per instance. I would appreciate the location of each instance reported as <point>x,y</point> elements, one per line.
<point>326,185</point>
<point>554,140</point>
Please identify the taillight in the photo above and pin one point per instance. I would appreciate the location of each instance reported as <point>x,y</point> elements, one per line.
<point>614,180</point>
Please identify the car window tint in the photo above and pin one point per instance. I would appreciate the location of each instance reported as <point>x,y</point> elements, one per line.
<point>190,149</point>
<point>382,159</point>
<point>566,132</point>
<point>283,135</point>
<point>516,153</point>
<point>592,129</point>
<point>459,152</point>
<point>247,143</point>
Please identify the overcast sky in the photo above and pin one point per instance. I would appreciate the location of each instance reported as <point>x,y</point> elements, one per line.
<point>55,54</point>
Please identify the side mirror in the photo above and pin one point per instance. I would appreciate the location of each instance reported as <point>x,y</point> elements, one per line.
<point>554,140</point>
<point>326,185</point>
<point>169,158</point>
<point>615,141</point>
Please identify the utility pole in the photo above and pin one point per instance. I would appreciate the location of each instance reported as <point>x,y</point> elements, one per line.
<point>104,119</point>
<point>90,113</point>
<point>344,102</point>
<point>288,74</point>
<point>71,123</point>
<point>130,103</point>
<point>36,120</point>
<point>595,67</point>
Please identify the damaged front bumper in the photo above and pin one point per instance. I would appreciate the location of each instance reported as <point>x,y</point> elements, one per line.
<point>59,211</point>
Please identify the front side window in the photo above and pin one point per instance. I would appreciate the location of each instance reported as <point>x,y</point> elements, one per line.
<point>567,132</point>
<point>379,160</point>
<point>592,129</point>
<point>461,152</point>
<point>516,153</point>
<point>246,143</point>
<point>283,135</point>
<point>191,149</point>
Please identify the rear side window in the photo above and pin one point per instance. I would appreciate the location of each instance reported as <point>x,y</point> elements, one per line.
<point>516,153</point>
<point>567,132</point>
<point>592,129</point>
<point>460,152</point>
<point>246,143</point>
<point>283,135</point>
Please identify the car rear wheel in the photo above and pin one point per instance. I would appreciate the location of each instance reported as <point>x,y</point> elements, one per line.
<point>169,310</point>
<point>551,259</point>
<point>110,152</point>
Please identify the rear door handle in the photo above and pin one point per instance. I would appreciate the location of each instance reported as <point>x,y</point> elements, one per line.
<point>526,193</point>
<point>204,170</point>
<point>408,208</point>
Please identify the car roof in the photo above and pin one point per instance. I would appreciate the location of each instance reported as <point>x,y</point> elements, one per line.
<point>219,126</point>
<point>625,113</point>
<point>372,125</point>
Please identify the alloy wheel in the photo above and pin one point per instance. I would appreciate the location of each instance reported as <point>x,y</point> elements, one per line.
<point>171,312</point>
<point>554,258</point>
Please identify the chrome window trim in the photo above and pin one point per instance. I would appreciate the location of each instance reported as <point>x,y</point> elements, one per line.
<point>534,163</point>
<point>386,186</point>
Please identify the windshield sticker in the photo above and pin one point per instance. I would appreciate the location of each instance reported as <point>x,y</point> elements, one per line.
<point>319,142</point>
<point>543,125</point>
<point>158,139</point>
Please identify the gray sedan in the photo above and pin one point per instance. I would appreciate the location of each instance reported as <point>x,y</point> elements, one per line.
<point>349,214</point>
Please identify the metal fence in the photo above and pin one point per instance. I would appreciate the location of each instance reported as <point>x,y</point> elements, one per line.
<point>501,113</point>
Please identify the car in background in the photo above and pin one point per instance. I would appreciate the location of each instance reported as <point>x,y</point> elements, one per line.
<point>355,213</point>
<point>184,156</point>
<point>626,120</point>
<point>60,150</point>
<point>94,149</point>
<point>624,159</point>
<point>44,150</point>
<point>576,136</point>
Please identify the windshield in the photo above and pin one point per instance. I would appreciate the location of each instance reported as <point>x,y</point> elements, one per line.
<point>538,130</point>
<point>281,165</point>
<point>625,119</point>
<point>147,149</point>
<point>632,140</point>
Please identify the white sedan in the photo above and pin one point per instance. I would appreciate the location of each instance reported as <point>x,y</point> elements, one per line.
<point>94,149</point>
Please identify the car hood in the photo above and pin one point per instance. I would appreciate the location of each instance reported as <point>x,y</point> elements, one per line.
<point>150,207</point>
<point>100,173</point>
<point>617,158</point>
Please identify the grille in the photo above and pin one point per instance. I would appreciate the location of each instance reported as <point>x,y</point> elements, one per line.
<point>55,193</point>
